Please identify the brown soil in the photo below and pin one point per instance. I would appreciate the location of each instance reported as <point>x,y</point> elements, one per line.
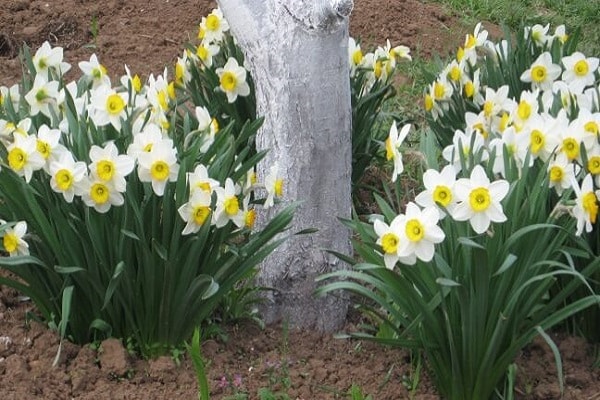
<point>148,35</point>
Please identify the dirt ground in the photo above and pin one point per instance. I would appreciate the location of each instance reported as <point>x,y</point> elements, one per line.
<point>148,35</point>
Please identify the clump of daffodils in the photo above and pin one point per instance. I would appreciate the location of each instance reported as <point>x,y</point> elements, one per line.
<point>547,115</point>
<point>91,140</point>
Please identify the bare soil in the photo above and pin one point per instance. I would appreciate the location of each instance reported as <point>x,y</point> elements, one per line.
<point>148,35</point>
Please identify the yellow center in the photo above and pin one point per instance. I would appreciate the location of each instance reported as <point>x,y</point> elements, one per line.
<point>415,231</point>
<point>469,89</point>
<point>212,22</point>
<point>378,69</point>
<point>201,213</point>
<point>204,186</point>
<point>201,33</point>
<point>202,53</point>
<point>11,242</point>
<point>357,57</point>
<point>439,90</point>
<point>136,83</point>
<point>389,149</point>
<point>250,218</point>
<point>481,129</point>
<point>524,110</point>
<point>17,159</point>
<point>99,193</point>
<point>114,104</point>
<point>428,102</point>
<point>581,68</point>
<point>162,97</point>
<point>556,174</point>
<point>159,170</point>
<point>470,42</point>
<point>64,179</point>
<point>571,148</point>
<point>253,178</point>
<point>43,148</point>
<point>538,74</point>
<point>455,73</point>
<point>504,120</point>
<point>105,170</point>
<point>99,72</point>
<point>592,127</point>
<point>590,205</point>
<point>232,206</point>
<point>479,199</point>
<point>594,165</point>
<point>41,95</point>
<point>228,81</point>
<point>536,141</point>
<point>442,195</point>
<point>171,90</point>
<point>488,108</point>
<point>42,63</point>
<point>148,147</point>
<point>279,187</point>
<point>389,243</point>
<point>460,54</point>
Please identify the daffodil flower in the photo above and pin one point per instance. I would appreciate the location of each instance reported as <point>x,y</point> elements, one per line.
<point>23,157</point>
<point>479,200</point>
<point>542,73</point>
<point>420,231</point>
<point>439,190</point>
<point>580,71</point>
<point>196,212</point>
<point>101,195</point>
<point>213,27</point>
<point>95,72</point>
<point>232,80</point>
<point>144,141</point>
<point>392,148</point>
<point>47,57</point>
<point>228,206</point>
<point>67,176</point>
<point>200,181</point>
<point>42,96</point>
<point>586,205</point>
<point>108,165</point>
<point>158,166</point>
<point>274,185</point>
<point>108,106</point>
<point>389,237</point>
<point>561,173</point>
<point>13,241</point>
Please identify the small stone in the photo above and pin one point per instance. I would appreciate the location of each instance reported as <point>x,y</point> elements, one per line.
<point>113,357</point>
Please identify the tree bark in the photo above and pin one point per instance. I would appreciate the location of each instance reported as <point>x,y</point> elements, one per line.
<point>296,51</point>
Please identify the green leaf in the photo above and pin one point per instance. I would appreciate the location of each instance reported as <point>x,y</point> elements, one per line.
<point>446,282</point>
<point>67,270</point>
<point>113,283</point>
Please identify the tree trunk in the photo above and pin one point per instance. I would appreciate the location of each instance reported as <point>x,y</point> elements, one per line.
<point>297,54</point>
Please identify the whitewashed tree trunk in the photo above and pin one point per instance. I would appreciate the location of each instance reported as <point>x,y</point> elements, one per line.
<point>297,54</point>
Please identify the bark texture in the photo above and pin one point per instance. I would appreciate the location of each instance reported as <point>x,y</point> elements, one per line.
<point>296,51</point>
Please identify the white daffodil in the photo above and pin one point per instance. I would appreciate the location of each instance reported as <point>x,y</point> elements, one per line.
<point>588,124</point>
<point>472,88</point>
<point>67,176</point>
<point>538,33</point>
<point>144,141</point>
<point>101,195</point>
<point>525,109</point>
<point>213,27</point>
<point>8,129</point>
<point>205,53</point>
<point>510,145</point>
<point>561,173</point>
<point>48,144</point>
<point>23,157</point>
<point>108,106</point>
<point>580,71</point>
<point>496,101</point>
<point>392,148</point>
<point>12,94</point>
<point>232,78</point>
<point>479,200</point>
<point>389,238</point>
<point>560,34</point>
<point>586,205</point>
<point>570,138</point>
<point>355,56</point>
<point>478,123</point>
<point>200,181</point>
<point>42,96</point>
<point>464,144</point>
<point>157,93</point>
<point>132,81</point>
<point>107,165</point>
<point>593,165</point>
<point>542,72</point>
<point>47,57</point>
<point>273,185</point>
<point>95,72</point>
<point>439,187</point>
<point>13,241</point>
<point>249,213</point>
<point>158,166</point>
<point>228,206</point>
<point>543,138</point>
<point>420,232</point>
<point>196,212</point>
<point>455,72</point>
<point>468,51</point>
